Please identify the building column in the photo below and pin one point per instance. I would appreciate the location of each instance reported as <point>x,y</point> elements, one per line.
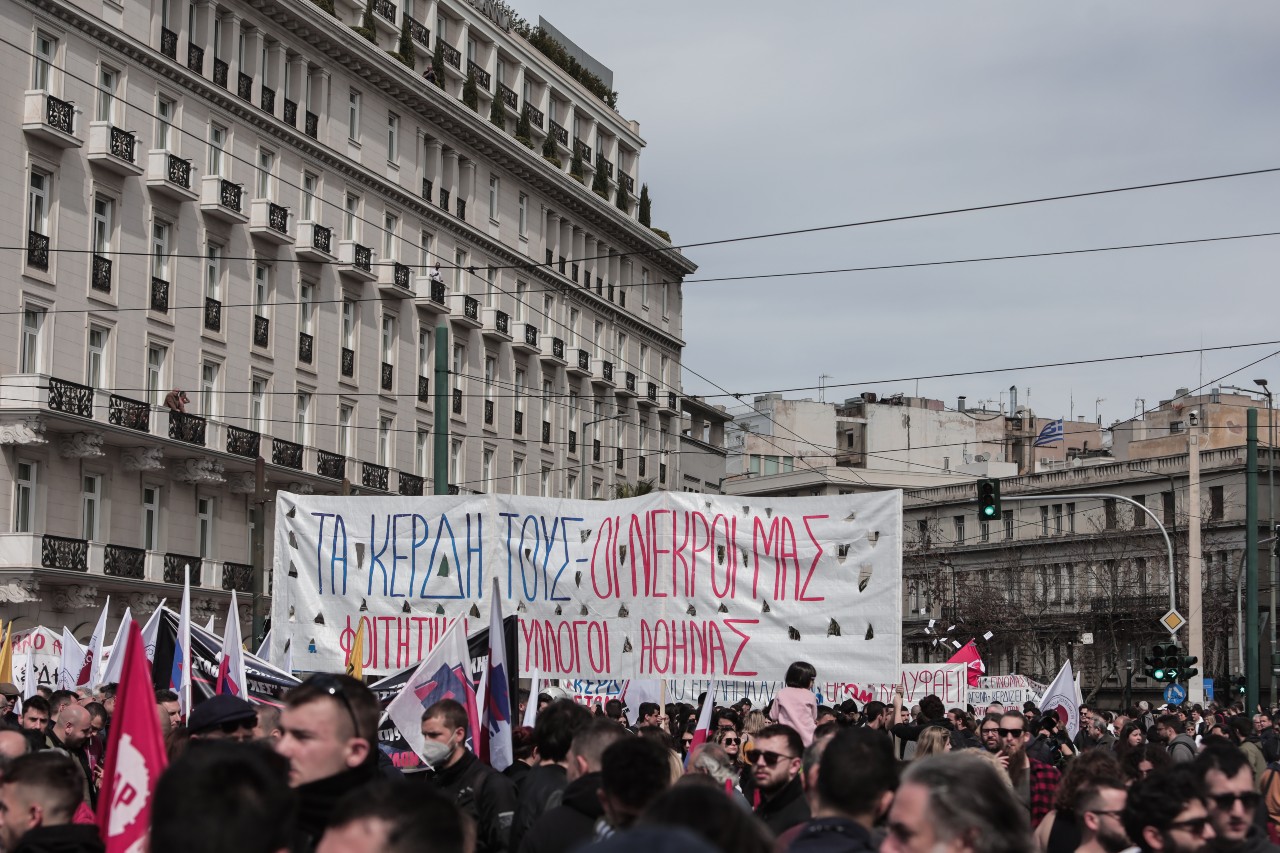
<point>467,187</point>
<point>589,266</point>
<point>449,175</point>
<point>434,167</point>
<point>297,82</point>
<point>273,75</point>
<point>553,236</point>
<point>229,28</point>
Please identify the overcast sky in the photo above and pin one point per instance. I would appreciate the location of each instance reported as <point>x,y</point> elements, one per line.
<point>763,117</point>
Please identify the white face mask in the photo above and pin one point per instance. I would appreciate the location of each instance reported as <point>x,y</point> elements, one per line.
<point>435,753</point>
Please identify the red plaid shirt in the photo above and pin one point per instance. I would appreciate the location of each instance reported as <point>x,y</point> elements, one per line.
<point>1044,786</point>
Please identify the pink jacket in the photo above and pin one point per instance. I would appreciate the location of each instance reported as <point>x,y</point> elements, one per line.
<point>798,708</point>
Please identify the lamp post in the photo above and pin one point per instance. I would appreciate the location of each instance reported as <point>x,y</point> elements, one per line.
<point>1271,528</point>
<point>582,465</point>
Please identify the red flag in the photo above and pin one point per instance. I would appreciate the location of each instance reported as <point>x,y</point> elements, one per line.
<point>969,655</point>
<point>135,754</point>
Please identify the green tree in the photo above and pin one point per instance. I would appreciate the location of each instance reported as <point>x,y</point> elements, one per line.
<point>524,129</point>
<point>600,183</point>
<point>470,94</point>
<point>437,62</point>
<point>367,28</point>
<point>645,206</point>
<point>406,52</point>
<point>623,199</point>
<point>498,111</point>
<point>632,490</point>
<point>575,165</point>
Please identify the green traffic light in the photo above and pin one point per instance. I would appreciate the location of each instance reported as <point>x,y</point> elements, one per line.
<point>1159,674</point>
<point>989,511</point>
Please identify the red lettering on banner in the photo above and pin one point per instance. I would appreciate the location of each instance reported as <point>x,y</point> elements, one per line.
<point>604,534</point>
<point>730,562</point>
<point>757,533</point>
<point>689,647</point>
<point>801,591</point>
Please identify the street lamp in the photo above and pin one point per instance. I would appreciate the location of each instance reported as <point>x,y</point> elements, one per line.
<point>582,465</point>
<point>1271,509</point>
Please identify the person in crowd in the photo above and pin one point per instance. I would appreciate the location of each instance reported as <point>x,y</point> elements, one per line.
<point>649,714</point>
<point>851,787</point>
<point>933,715</point>
<point>1167,812</point>
<point>168,702</point>
<point>1140,762</point>
<point>224,795</point>
<point>876,716</point>
<point>573,821</point>
<point>1051,744</point>
<point>1131,737</point>
<point>61,699</point>
<point>725,720</point>
<point>776,761</point>
<point>14,742</point>
<point>933,740</point>
<point>107,696</point>
<point>483,793</point>
<point>1247,741</point>
<point>391,818</point>
<point>634,771</point>
<point>1059,832</point>
<point>696,803</point>
<point>176,400</point>
<point>1268,737</point>
<point>268,725</point>
<point>1099,807</point>
<point>956,803</point>
<point>9,696</point>
<point>35,714</point>
<point>330,725</point>
<point>70,735</point>
<point>523,753</point>
<point>1233,801</point>
<point>731,742</point>
<point>795,705</point>
<point>1180,746</point>
<point>223,717</point>
<point>39,795</point>
<point>614,710</point>
<point>1034,782</point>
<point>553,733</point>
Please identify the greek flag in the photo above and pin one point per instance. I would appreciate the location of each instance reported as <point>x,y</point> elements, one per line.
<point>1051,433</point>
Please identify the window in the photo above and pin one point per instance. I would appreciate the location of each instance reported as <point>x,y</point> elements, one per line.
<point>491,288</point>
<point>151,518</point>
<point>1044,521</point>
<point>1071,518</point>
<point>984,531</point>
<point>486,470</point>
<point>258,405</point>
<point>217,146</point>
<point>390,235</point>
<point>524,215</point>
<point>424,351</point>
<point>38,201</point>
<point>96,366</point>
<point>424,243</point>
<point>1216,506</point>
<point>302,417</point>
<point>455,461</point>
<point>1139,517</point>
<point>1007,518</point>
<point>422,451</point>
<point>459,361</point>
<point>309,187</point>
<point>574,317</point>
<point>160,236</point>
<point>32,337</point>
<point>349,324</point>
<point>204,527</point>
<point>306,306</point>
<point>353,115</point>
<point>266,169</point>
<point>544,483</point>
<point>548,316</point>
<point>644,288</point>
<point>493,198</point>
<point>959,527</point>
<point>165,110</point>
<point>157,356</point>
<point>393,138</point>
<point>24,497</point>
<point>1110,520</point>
<point>90,506</point>
<point>346,415</point>
<point>388,339</point>
<point>386,426</point>
<point>522,290</point>
<point>644,360</point>
<point>261,288</point>
<point>666,300</point>
<point>213,266</point>
<point>104,209</point>
<point>108,82</point>
<point>209,371</point>
<point>571,486</point>
<point>1170,508</point>
<point>621,350</point>
<point>517,475</point>
<point>350,215</point>
<point>46,57</point>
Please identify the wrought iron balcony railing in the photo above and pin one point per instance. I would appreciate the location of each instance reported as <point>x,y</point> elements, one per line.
<point>159,295</point>
<point>176,566</point>
<point>221,71</point>
<point>306,347</point>
<point>169,43</point>
<point>348,362</point>
<point>38,250</point>
<point>101,272</point>
<point>286,454</point>
<point>483,80</point>
<point>212,314</point>
<point>261,331</point>
<point>331,465</point>
<point>244,87</point>
<point>374,476</point>
<point>238,577</point>
<point>243,442</point>
<point>195,58</point>
<point>388,377</point>
<point>410,484</point>
<point>128,413</point>
<point>290,112</point>
<point>70,398</point>
<point>186,427</point>
<point>536,118</point>
<point>63,552</point>
<point>122,562</point>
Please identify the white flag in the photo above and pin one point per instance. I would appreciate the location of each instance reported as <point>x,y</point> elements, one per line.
<point>114,664</point>
<point>1062,698</point>
<point>232,678</point>
<point>72,660</point>
<point>29,685</point>
<point>445,673</point>
<point>531,707</point>
<point>495,708</point>
<point>264,650</point>
<point>151,630</point>
<point>209,625</point>
<point>180,674</point>
<point>93,656</point>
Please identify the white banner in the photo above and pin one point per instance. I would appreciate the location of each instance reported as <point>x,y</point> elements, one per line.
<point>46,648</point>
<point>668,585</point>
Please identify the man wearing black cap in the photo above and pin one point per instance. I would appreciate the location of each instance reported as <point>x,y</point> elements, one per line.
<point>223,717</point>
<point>9,694</point>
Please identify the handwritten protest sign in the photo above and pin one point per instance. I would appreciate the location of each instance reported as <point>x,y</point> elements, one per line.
<point>1010,691</point>
<point>668,585</point>
<point>46,649</point>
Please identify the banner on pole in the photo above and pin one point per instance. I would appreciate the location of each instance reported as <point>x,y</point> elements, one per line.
<point>667,585</point>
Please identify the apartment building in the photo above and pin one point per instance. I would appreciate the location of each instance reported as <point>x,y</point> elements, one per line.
<point>246,202</point>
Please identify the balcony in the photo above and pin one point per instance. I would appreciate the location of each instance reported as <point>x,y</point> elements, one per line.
<point>641,466</point>
<point>422,36</point>
<point>195,59</point>
<point>100,273</point>
<point>267,100</point>
<point>119,561</point>
<point>374,476</point>
<point>348,365</point>
<point>385,9</point>
<point>424,389</point>
<point>457,401</point>
<point>673,402</point>
<point>315,243</point>
<point>168,42</point>
<point>394,280</point>
<point>49,119</point>
<point>444,198</point>
<point>618,460</point>
<point>595,450</point>
<point>452,56</point>
<point>61,552</point>
<point>580,363</point>
<point>221,199</point>
<point>583,150</point>
<point>331,465</point>
<point>432,295</point>
<point>159,295</point>
<point>517,423</point>
<point>410,484</point>
<point>428,190</point>
<point>607,166</point>
<point>651,393</point>
<point>509,97</point>
<point>461,204</point>
<point>186,428</point>
<point>356,261</point>
<point>221,71</point>
<point>555,355</point>
<point>573,441</point>
<point>169,175</point>
<point>470,316</point>
<point>290,112</point>
<point>662,472</point>
<point>483,80</point>
<point>286,454</point>
<point>243,442</point>
<point>561,135</point>
<point>176,568</point>
<point>244,87</point>
<point>388,377</point>
<point>306,348</point>
<point>128,413</point>
<point>488,413</point>
<point>38,250</point>
<point>497,325</point>
<point>269,222</point>
<point>527,342</point>
<point>536,118</point>
<point>113,149</point>
<point>311,125</point>
<point>546,432</point>
<point>238,577</point>
<point>628,182</point>
<point>628,386</point>
<point>261,331</point>
<point>70,398</point>
<point>602,371</point>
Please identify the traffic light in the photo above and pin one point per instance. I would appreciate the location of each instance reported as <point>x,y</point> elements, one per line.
<point>1188,666</point>
<point>1172,663</point>
<point>1167,663</point>
<point>1152,664</point>
<point>1239,684</point>
<point>988,500</point>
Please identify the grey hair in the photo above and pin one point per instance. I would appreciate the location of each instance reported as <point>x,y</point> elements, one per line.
<point>967,800</point>
<point>712,760</point>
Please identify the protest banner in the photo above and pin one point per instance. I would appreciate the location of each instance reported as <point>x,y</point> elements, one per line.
<point>667,585</point>
<point>46,649</point>
<point>1010,691</point>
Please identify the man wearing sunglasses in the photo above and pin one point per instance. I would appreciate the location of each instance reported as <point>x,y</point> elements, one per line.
<point>775,759</point>
<point>1233,801</point>
<point>1034,783</point>
<point>1167,813</point>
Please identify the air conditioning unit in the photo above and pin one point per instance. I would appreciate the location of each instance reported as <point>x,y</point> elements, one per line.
<point>982,457</point>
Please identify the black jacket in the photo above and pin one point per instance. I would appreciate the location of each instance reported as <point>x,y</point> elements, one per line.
<point>911,731</point>
<point>81,757</point>
<point>317,799</point>
<point>833,835</point>
<point>536,790</point>
<point>485,794</point>
<point>570,824</point>
<point>67,838</point>
<point>784,809</point>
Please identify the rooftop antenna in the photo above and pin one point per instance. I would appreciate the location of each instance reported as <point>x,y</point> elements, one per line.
<point>822,391</point>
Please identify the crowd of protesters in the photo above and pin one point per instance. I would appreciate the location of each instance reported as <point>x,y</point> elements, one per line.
<point>790,776</point>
